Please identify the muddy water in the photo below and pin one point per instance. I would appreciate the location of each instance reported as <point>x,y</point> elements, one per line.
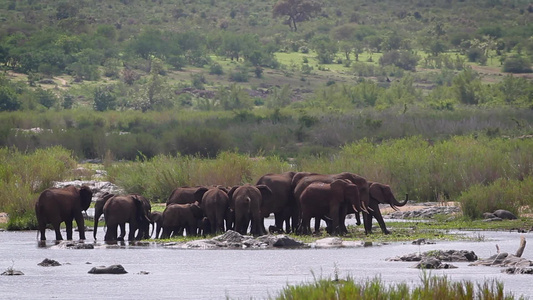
<point>217,274</point>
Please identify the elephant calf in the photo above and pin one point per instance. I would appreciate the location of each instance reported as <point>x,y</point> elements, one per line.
<point>177,217</point>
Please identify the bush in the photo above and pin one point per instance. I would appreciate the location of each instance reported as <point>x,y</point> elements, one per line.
<point>216,69</point>
<point>239,74</point>
<point>516,64</point>
<point>509,194</point>
<point>24,176</point>
<point>431,171</point>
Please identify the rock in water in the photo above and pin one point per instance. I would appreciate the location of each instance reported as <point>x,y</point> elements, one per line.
<point>49,263</point>
<point>10,272</point>
<point>113,269</point>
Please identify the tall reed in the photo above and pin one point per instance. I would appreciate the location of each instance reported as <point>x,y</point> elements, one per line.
<point>23,176</point>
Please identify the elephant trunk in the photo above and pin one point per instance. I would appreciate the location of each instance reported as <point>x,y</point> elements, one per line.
<point>395,203</point>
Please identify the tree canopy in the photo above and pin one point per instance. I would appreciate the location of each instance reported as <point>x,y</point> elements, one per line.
<point>296,10</point>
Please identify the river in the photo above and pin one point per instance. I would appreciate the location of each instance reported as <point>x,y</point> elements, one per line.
<point>220,274</point>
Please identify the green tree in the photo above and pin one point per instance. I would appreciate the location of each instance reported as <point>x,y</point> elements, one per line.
<point>104,99</point>
<point>467,87</point>
<point>296,10</point>
<point>46,97</point>
<point>236,98</point>
<point>8,98</point>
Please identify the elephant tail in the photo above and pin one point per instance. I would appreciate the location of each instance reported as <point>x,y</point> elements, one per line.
<point>396,204</point>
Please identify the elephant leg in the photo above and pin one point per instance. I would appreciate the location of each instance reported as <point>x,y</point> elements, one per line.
<point>379,218</point>
<point>57,229</point>
<point>166,233</point>
<point>68,227</point>
<point>42,229</point>
<point>111,233</point>
<point>81,225</point>
<point>131,234</point>
<point>122,232</point>
<point>317,225</point>
<point>357,219</point>
<point>367,220</point>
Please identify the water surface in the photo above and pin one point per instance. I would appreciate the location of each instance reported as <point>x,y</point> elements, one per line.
<point>217,274</point>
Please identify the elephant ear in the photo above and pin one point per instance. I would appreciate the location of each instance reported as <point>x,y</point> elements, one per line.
<point>141,211</point>
<point>376,192</point>
<point>199,194</point>
<point>86,196</point>
<point>266,192</point>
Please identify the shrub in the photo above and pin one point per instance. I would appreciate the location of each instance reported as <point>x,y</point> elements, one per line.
<point>239,74</point>
<point>509,194</point>
<point>216,69</point>
<point>516,64</point>
<point>24,176</point>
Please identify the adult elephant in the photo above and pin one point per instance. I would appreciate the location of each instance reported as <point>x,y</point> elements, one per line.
<point>121,209</point>
<point>57,205</point>
<point>156,219</point>
<point>177,217</point>
<point>379,194</point>
<point>99,211</point>
<point>302,180</point>
<point>215,205</point>
<point>319,200</point>
<point>245,203</point>
<point>282,203</point>
<point>184,195</point>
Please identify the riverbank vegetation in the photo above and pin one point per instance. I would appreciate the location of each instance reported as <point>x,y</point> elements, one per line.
<point>431,287</point>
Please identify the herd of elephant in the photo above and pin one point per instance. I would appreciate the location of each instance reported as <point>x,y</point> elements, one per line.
<point>293,197</point>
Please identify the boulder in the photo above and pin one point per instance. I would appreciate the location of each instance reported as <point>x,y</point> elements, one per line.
<point>11,272</point>
<point>433,263</point>
<point>113,269</point>
<point>49,263</point>
<point>504,214</point>
<point>448,255</point>
<point>72,245</point>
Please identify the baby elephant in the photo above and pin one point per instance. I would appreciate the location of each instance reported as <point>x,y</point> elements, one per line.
<point>177,217</point>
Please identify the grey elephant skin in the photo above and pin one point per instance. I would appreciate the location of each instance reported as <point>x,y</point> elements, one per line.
<point>379,194</point>
<point>99,211</point>
<point>185,195</point>
<point>320,199</point>
<point>281,203</point>
<point>215,205</point>
<point>121,209</point>
<point>177,217</point>
<point>245,204</point>
<point>301,180</point>
<point>57,205</point>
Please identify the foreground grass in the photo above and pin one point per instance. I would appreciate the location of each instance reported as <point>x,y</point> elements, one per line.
<point>431,287</point>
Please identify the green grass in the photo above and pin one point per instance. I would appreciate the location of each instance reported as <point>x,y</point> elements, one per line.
<point>430,287</point>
